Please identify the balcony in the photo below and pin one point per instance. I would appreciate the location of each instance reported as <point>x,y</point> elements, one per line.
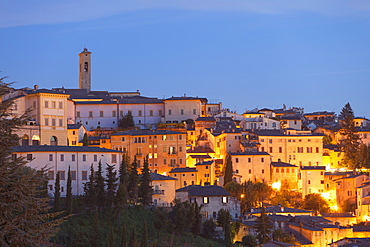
<point>158,192</point>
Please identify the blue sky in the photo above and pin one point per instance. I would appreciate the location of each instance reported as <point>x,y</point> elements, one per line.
<point>246,54</point>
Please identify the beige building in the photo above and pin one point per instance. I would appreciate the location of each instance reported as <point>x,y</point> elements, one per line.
<point>48,111</point>
<point>206,172</point>
<point>311,180</point>
<point>347,188</point>
<point>300,148</point>
<point>281,171</point>
<point>76,134</point>
<point>185,176</point>
<point>165,149</point>
<point>163,189</point>
<point>254,166</point>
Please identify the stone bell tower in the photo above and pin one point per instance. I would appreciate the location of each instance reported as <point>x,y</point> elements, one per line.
<point>85,70</point>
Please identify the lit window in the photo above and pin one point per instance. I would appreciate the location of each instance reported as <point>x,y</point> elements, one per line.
<point>206,199</point>
<point>225,199</point>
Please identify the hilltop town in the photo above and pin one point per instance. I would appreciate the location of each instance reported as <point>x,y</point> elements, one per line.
<point>259,163</point>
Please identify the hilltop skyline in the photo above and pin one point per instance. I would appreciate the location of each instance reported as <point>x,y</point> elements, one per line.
<point>247,55</point>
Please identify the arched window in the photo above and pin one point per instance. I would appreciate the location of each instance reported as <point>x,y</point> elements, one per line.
<point>86,67</point>
<point>25,140</point>
<point>273,125</point>
<point>53,141</point>
<point>35,140</point>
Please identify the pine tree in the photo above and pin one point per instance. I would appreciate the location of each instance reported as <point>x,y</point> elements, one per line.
<point>89,190</point>
<point>133,182</point>
<point>111,182</point>
<point>263,227</point>
<point>223,220</point>
<point>350,144</point>
<point>100,187</point>
<point>57,193</point>
<point>145,189</point>
<point>127,122</point>
<point>85,140</point>
<point>228,176</point>
<point>69,192</point>
<point>22,221</point>
<point>122,191</point>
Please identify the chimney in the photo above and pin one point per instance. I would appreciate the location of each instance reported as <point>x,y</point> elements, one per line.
<point>36,87</point>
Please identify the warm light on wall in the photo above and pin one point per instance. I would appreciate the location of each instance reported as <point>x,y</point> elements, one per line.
<point>276,185</point>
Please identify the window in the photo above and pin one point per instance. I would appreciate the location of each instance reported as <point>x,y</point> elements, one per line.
<point>60,105</point>
<point>90,114</point>
<point>249,160</point>
<point>206,199</point>
<point>270,141</point>
<point>300,150</point>
<point>309,181</point>
<point>62,157</point>
<point>62,175</point>
<point>250,171</point>
<point>317,150</point>
<point>46,104</point>
<point>182,111</point>
<point>263,171</point>
<point>225,199</point>
<point>194,111</point>
<point>277,170</point>
<point>50,157</point>
<point>14,156</point>
<point>180,161</point>
<point>262,149</point>
<point>51,175</point>
<point>29,156</point>
<point>236,160</point>
<point>140,113</point>
<point>84,157</point>
<point>46,121</point>
<point>114,158</point>
<point>180,149</point>
<point>78,114</point>
<point>50,187</point>
<point>84,175</point>
<point>322,181</point>
<point>95,157</point>
<point>169,112</point>
<point>262,159</point>
<point>309,149</point>
<point>282,170</point>
<point>101,113</point>
<point>114,114</point>
<point>53,104</point>
<point>270,149</point>
<point>73,157</point>
<point>160,112</point>
<point>280,149</point>
<point>164,161</point>
<point>180,137</point>
<point>53,122</point>
<point>121,113</point>
<point>73,175</point>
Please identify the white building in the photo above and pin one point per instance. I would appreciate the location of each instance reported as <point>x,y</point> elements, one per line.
<point>211,198</point>
<point>59,158</point>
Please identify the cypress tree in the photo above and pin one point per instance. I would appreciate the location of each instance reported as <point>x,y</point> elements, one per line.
<point>133,182</point>
<point>100,187</point>
<point>263,227</point>
<point>89,190</point>
<point>85,140</point>
<point>57,193</point>
<point>69,192</point>
<point>350,144</point>
<point>111,183</point>
<point>228,175</point>
<point>145,188</point>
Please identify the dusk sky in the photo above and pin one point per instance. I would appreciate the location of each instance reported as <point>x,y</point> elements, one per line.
<point>245,53</point>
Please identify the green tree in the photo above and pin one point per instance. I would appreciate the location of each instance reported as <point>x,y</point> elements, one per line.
<point>196,228</point>
<point>100,187</point>
<point>315,202</point>
<point>249,241</point>
<point>133,237</point>
<point>127,121</point>
<point>133,182</point>
<point>57,193</point>
<point>350,144</point>
<point>111,182</point>
<point>122,191</point>
<point>287,197</point>
<point>228,175</point>
<point>263,227</point>
<point>89,190</point>
<point>85,140</point>
<point>145,189</point>
<point>209,229</point>
<point>181,216</point>
<point>22,213</point>
<point>69,192</point>
<point>223,220</point>
<point>234,188</point>
<point>327,139</point>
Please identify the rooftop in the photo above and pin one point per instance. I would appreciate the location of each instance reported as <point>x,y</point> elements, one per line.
<point>208,190</point>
